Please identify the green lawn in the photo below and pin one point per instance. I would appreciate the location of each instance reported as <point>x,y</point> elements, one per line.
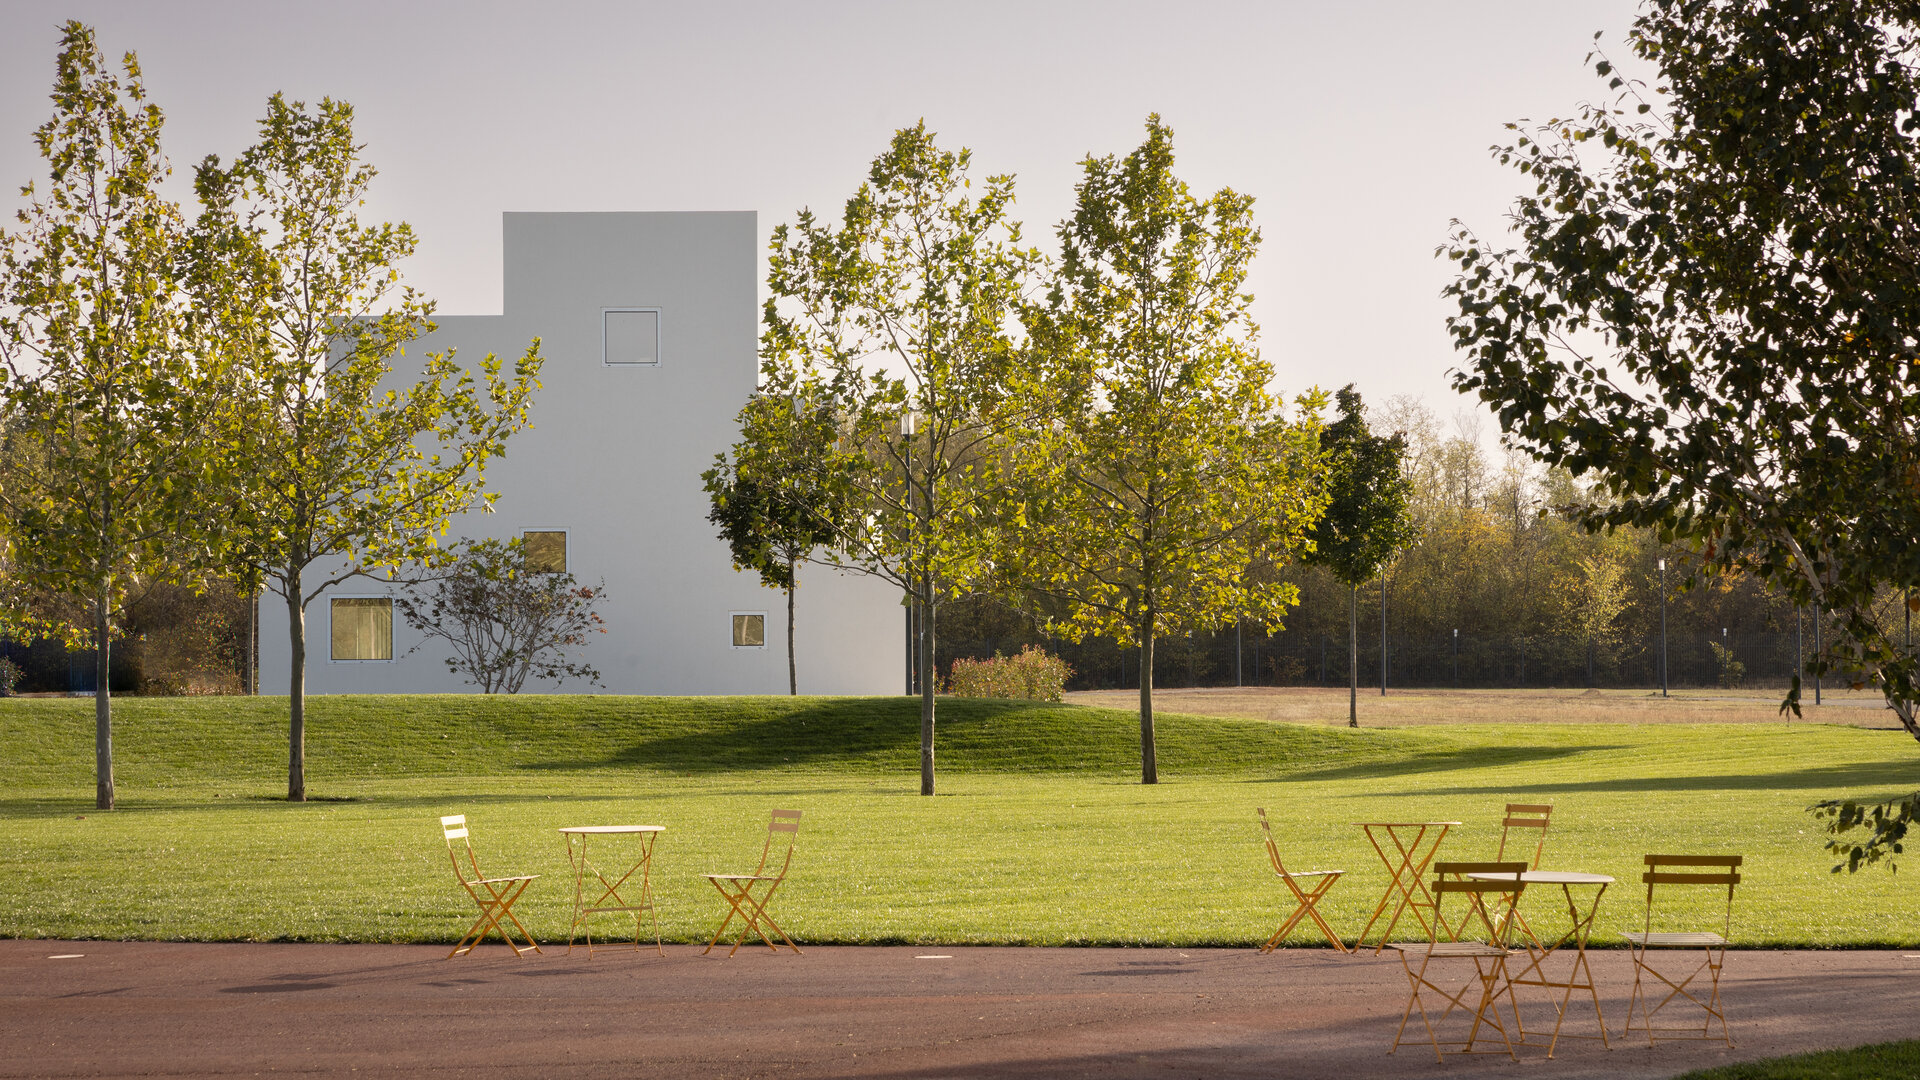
<point>1883,1061</point>
<point>1042,833</point>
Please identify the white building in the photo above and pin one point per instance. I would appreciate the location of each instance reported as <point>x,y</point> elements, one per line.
<point>649,327</point>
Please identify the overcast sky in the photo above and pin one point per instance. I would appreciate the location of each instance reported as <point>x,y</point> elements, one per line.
<point>1360,127</point>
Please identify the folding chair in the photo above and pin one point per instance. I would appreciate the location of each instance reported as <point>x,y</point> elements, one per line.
<point>495,896</point>
<point>1526,816</point>
<point>1306,898</point>
<point>1491,890</point>
<point>1711,870</point>
<point>738,889</point>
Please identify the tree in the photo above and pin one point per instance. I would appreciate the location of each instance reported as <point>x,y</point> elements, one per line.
<point>1715,306</point>
<point>778,499</point>
<point>108,385</point>
<point>903,313</point>
<point>1162,470</point>
<point>1367,516</point>
<point>506,620</point>
<point>338,469</point>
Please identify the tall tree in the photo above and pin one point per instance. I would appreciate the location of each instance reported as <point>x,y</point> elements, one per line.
<point>1162,470</point>
<point>104,374</point>
<point>1367,516</point>
<point>339,469</point>
<point>903,311</point>
<point>1715,305</point>
<point>779,497</point>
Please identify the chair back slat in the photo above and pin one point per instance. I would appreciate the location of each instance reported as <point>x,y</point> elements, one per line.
<point>1659,878</point>
<point>1694,860</point>
<point>1526,816</point>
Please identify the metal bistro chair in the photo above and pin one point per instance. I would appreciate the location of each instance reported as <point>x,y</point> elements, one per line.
<point>1694,870</point>
<point>495,896</point>
<point>739,889</point>
<point>1490,908</point>
<point>1306,899</point>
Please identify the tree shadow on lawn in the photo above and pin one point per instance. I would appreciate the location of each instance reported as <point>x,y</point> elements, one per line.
<point>1427,761</point>
<point>1897,777</point>
<point>865,735</point>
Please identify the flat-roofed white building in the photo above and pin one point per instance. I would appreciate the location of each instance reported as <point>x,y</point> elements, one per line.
<point>649,326</point>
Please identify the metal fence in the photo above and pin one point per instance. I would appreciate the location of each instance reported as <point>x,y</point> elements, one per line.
<point>1483,661</point>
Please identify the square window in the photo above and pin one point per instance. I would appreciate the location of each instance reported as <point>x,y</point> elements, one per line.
<point>631,335</point>
<point>749,630</point>
<point>545,550</point>
<point>362,627</point>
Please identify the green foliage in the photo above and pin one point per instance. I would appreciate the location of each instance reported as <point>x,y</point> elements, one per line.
<point>333,467</point>
<point>505,621</point>
<point>902,311</point>
<point>1367,517</point>
<point>109,387</point>
<point>1160,469</point>
<point>1031,675</point>
<point>1713,310</point>
<point>1885,824</point>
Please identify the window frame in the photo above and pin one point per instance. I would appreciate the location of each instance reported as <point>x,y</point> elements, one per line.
<point>731,616</point>
<point>393,653</point>
<point>566,545</point>
<point>606,360</point>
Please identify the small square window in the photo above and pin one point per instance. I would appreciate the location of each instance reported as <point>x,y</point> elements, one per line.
<point>545,550</point>
<point>631,335</point>
<point>749,630</point>
<point>362,627</point>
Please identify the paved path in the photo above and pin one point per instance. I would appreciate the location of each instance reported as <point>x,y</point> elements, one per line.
<point>158,1009</point>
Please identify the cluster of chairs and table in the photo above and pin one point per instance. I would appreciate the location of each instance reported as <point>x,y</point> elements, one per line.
<point>1486,928</point>
<point>599,881</point>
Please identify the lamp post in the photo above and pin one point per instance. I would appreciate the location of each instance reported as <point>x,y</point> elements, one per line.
<point>1383,633</point>
<point>1456,658</point>
<point>907,429</point>
<point>1663,628</point>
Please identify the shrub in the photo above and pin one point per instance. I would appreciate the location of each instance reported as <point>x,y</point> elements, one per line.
<point>1032,675</point>
<point>1732,672</point>
<point>9,676</point>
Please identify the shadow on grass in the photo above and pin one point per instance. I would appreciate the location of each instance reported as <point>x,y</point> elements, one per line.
<point>870,735</point>
<point>1430,761</point>
<point>1893,776</point>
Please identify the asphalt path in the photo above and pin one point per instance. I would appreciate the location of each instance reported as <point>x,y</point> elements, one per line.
<point>151,1009</point>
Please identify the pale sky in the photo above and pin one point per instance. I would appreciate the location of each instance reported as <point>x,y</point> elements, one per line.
<point>1360,127</point>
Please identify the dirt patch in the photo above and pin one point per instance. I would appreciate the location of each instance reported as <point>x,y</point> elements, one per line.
<point>1403,708</point>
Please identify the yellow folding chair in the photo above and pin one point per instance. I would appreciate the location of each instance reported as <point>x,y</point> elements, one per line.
<point>1491,890</point>
<point>1526,816</point>
<point>1306,899</point>
<point>740,894</point>
<point>1695,870</point>
<point>495,896</point>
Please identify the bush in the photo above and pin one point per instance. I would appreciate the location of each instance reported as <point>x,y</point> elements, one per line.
<point>9,676</point>
<point>1032,675</point>
<point>1732,672</point>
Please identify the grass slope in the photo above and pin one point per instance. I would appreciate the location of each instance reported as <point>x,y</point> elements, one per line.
<point>1042,833</point>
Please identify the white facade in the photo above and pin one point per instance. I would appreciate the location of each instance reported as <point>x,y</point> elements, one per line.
<point>649,331</point>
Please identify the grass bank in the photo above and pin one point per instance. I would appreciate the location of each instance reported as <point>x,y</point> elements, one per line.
<point>1042,833</point>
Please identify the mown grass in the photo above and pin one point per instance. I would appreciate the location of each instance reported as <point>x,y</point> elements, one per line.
<point>1882,1061</point>
<point>1042,833</point>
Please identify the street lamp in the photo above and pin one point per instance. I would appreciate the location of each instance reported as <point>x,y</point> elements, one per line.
<point>908,425</point>
<point>1663,628</point>
<point>1456,658</point>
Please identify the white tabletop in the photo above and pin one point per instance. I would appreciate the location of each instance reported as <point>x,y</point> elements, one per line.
<point>1549,877</point>
<point>624,829</point>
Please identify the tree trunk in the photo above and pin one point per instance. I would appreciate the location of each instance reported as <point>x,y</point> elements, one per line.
<point>926,686</point>
<point>1149,764</point>
<point>297,697</point>
<point>102,704</point>
<point>793,676</point>
<point>1353,656</point>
